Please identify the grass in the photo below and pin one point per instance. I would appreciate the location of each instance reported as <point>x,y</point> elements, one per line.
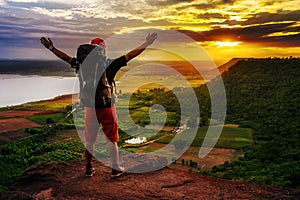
<point>45,119</point>
<point>145,83</point>
<point>42,106</point>
<point>142,116</point>
<point>235,138</point>
<point>46,146</point>
<point>67,151</point>
<point>149,150</point>
<point>231,138</point>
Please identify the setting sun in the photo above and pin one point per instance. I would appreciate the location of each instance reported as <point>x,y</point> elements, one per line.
<point>227,44</point>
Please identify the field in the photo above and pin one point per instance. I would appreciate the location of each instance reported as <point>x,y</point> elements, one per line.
<point>13,124</point>
<point>14,120</point>
<point>46,119</point>
<point>228,148</point>
<point>145,76</point>
<point>54,105</point>
<point>230,138</point>
<point>32,119</point>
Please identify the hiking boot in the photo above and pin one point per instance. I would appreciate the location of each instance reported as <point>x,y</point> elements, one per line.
<point>90,171</point>
<point>117,172</point>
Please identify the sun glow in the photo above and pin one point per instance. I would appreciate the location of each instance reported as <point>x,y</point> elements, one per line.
<point>227,44</point>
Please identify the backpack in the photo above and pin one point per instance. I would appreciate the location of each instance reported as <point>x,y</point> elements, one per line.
<point>95,90</point>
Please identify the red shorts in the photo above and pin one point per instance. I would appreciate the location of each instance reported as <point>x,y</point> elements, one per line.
<point>107,117</point>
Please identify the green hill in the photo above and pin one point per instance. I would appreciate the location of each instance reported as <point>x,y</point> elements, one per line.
<point>36,67</point>
<point>228,64</point>
<point>263,94</point>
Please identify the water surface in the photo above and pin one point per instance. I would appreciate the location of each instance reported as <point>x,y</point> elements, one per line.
<point>18,89</point>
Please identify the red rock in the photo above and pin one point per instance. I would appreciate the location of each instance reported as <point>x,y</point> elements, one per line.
<point>67,181</point>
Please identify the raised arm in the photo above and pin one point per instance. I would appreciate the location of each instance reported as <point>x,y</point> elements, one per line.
<point>49,45</point>
<point>149,40</point>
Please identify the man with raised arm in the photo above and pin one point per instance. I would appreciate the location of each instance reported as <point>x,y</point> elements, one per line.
<point>105,115</point>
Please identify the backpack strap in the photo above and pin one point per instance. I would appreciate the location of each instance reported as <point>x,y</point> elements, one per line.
<point>75,64</point>
<point>114,86</point>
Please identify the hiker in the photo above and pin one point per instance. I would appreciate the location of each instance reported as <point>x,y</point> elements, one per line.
<point>105,115</point>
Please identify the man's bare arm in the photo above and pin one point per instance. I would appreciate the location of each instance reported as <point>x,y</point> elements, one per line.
<point>49,45</point>
<point>149,40</point>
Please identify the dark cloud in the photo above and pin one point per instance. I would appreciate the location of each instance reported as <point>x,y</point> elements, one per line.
<point>228,1</point>
<point>206,6</point>
<point>261,18</point>
<point>269,3</point>
<point>198,6</point>
<point>210,16</point>
<point>22,32</point>
<point>282,23</point>
<point>25,32</point>
<point>52,5</point>
<point>201,6</point>
<point>264,17</point>
<point>252,34</point>
<point>15,20</point>
<point>167,2</point>
<point>23,37</point>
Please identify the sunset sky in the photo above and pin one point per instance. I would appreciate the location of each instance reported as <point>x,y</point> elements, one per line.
<point>224,28</point>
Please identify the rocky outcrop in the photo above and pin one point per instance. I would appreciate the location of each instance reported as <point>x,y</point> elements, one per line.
<point>66,181</point>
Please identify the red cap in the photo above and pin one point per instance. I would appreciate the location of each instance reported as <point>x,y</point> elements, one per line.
<point>98,41</point>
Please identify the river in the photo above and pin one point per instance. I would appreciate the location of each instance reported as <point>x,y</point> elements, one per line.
<point>18,89</point>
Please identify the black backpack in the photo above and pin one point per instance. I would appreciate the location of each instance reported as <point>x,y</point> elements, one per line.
<point>95,90</point>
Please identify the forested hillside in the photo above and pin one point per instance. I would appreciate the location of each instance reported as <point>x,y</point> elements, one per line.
<point>36,67</point>
<point>264,94</point>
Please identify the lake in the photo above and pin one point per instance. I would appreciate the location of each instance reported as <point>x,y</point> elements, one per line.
<point>18,89</point>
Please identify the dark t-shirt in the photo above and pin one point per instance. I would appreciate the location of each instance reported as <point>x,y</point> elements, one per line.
<point>114,67</point>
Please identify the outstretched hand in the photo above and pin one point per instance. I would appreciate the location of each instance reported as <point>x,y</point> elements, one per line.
<point>150,38</point>
<point>47,42</point>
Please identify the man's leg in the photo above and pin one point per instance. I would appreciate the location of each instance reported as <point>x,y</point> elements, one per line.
<point>114,154</point>
<point>89,147</point>
<point>91,133</point>
<point>113,149</point>
<point>108,119</point>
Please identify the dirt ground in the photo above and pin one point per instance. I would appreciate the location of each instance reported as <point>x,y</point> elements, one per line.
<point>63,181</point>
<point>13,124</point>
<point>62,99</point>
<point>217,156</point>
<point>20,113</point>
<point>12,136</point>
<point>13,121</point>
